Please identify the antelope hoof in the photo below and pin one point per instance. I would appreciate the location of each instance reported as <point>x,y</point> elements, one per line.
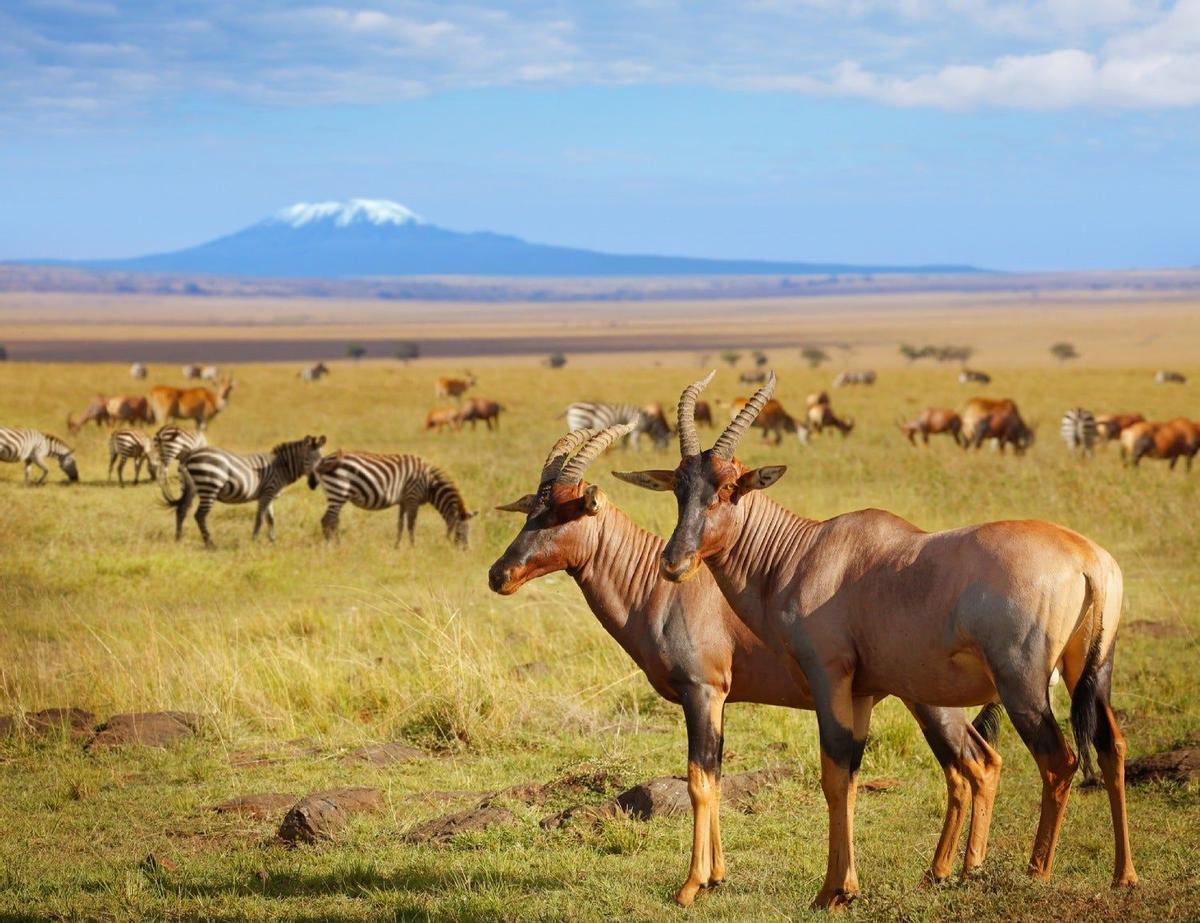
<point>834,899</point>
<point>1129,880</point>
<point>932,879</point>
<point>686,895</point>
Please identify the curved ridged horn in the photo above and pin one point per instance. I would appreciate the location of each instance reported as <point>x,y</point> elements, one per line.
<point>573,473</point>
<point>689,442</point>
<point>561,452</point>
<point>725,446</point>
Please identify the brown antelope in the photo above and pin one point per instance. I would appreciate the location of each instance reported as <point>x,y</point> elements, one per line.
<point>932,421</point>
<point>441,417</point>
<point>1170,441</point>
<point>1110,425</point>
<point>314,372</point>
<point>128,409</point>
<point>703,414</point>
<point>754,377</point>
<point>995,418</point>
<point>197,404</point>
<point>697,653</point>
<point>96,412</point>
<point>817,397</point>
<point>191,371</point>
<point>867,604</point>
<point>475,409</point>
<point>774,421</point>
<point>822,417</point>
<point>453,387</point>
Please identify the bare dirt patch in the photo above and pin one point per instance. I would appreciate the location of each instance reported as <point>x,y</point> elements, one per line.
<point>1182,765</point>
<point>260,805</point>
<point>76,722</point>
<point>148,729</point>
<point>442,829</point>
<point>388,754</point>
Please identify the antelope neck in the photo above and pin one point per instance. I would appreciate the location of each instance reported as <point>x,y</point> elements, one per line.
<point>618,567</point>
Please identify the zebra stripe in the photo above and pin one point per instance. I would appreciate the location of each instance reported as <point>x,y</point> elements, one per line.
<point>377,482</point>
<point>1079,431</point>
<point>33,447</point>
<point>218,475</point>
<point>125,444</point>
<point>599,415</point>
<point>172,441</point>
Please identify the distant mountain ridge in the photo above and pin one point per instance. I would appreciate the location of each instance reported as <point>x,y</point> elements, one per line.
<point>378,237</point>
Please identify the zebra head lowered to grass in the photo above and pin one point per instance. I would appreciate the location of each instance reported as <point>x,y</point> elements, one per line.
<point>33,447</point>
<point>213,474</point>
<point>648,420</point>
<point>378,482</point>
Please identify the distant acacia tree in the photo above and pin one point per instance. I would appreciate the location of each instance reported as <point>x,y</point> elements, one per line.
<point>355,351</point>
<point>732,356</point>
<point>555,360</point>
<point>759,357</point>
<point>407,350</point>
<point>910,352</point>
<point>3,354</point>
<point>1063,351</point>
<point>814,356</point>
<point>958,354</point>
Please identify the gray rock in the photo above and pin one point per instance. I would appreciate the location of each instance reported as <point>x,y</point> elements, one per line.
<point>321,815</point>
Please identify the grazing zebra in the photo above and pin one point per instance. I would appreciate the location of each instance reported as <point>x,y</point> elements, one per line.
<point>215,474</point>
<point>32,447</point>
<point>376,482</point>
<point>125,444</point>
<point>855,377</point>
<point>598,415</point>
<point>1079,431</point>
<point>172,441</point>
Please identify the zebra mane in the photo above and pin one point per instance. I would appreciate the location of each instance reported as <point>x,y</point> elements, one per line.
<point>56,445</point>
<point>440,482</point>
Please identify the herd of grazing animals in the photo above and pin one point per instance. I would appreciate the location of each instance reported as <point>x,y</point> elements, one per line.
<point>750,602</point>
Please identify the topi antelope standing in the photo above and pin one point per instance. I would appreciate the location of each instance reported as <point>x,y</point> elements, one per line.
<point>198,404</point>
<point>697,653</point>
<point>868,604</point>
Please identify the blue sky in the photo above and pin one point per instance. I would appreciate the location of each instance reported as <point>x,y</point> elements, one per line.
<point>1025,134</point>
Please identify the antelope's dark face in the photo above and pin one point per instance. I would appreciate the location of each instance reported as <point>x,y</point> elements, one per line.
<point>555,535</point>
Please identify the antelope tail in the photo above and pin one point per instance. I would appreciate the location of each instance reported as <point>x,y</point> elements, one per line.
<point>1083,699</point>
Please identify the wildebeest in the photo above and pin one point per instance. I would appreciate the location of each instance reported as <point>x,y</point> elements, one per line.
<point>441,417</point>
<point>314,372</point>
<point>138,370</point>
<point>774,421</point>
<point>932,421</point>
<point>995,418</point>
<point>475,409</point>
<point>974,376</point>
<point>1169,441</point>
<point>453,387</point>
<point>1167,377</point>
<point>197,404</point>
<point>855,377</point>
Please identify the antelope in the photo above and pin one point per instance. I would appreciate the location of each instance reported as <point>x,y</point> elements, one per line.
<point>703,414</point>
<point>932,421</point>
<point>697,653</point>
<point>210,373</point>
<point>1110,425</point>
<point>868,604</point>
<point>855,377</point>
<point>191,371</point>
<point>197,404</point>
<point>1170,441</point>
<point>817,397</point>
<point>1166,377</point>
<point>974,376</point>
<point>754,377</point>
<point>96,412</point>
<point>773,421</point>
<point>453,387</point>
<point>128,409</point>
<point>475,409</point>
<point>821,417</point>
<point>138,371</point>
<point>991,418</point>
<point>314,372</point>
<point>441,417</point>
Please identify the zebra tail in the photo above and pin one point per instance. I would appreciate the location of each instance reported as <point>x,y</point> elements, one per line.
<point>184,477</point>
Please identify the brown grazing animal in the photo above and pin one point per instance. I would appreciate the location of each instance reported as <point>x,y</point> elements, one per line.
<point>191,371</point>
<point>974,376</point>
<point>995,418</point>
<point>441,417</point>
<point>96,412</point>
<point>774,421</point>
<point>124,408</point>
<point>697,653</point>
<point>703,414</point>
<point>1110,425</point>
<point>453,387</point>
<point>754,377</point>
<point>819,397</point>
<point>314,372</point>
<point>933,421</point>
<point>197,404</point>
<point>1167,377</point>
<point>867,604</point>
<point>475,409</point>
<point>1169,441</point>
<point>822,417</point>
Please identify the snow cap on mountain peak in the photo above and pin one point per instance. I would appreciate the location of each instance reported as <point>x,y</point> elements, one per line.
<point>342,214</point>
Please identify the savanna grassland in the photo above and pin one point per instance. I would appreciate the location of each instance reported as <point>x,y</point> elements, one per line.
<point>303,651</point>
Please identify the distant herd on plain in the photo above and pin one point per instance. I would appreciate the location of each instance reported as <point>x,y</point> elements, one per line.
<point>747,601</point>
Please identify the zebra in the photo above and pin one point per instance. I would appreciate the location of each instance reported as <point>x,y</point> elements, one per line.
<point>974,376</point>
<point>32,447</point>
<point>598,415</point>
<point>855,377</point>
<point>1079,431</point>
<point>125,444</point>
<point>171,441</point>
<point>214,474</point>
<point>377,482</point>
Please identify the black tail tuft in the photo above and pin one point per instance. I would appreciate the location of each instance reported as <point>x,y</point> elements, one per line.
<point>312,480</point>
<point>1083,710</point>
<point>987,722</point>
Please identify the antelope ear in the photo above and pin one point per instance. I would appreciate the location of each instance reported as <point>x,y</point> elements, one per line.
<point>523,506</point>
<point>651,480</point>
<point>760,478</point>
<point>467,516</point>
<point>593,500</point>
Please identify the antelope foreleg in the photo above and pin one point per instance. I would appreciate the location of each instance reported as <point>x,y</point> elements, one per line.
<point>703,708</point>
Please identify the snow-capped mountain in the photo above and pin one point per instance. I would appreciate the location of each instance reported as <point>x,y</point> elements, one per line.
<point>377,237</point>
